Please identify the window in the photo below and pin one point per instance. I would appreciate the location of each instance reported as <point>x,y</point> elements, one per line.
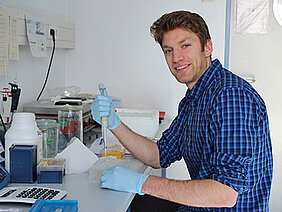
<point>277,9</point>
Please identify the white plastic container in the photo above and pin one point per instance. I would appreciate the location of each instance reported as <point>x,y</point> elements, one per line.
<point>23,131</point>
<point>141,121</point>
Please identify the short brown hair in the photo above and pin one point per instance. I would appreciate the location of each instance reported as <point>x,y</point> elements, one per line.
<point>181,19</point>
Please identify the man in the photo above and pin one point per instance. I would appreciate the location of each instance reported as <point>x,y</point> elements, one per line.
<point>221,131</point>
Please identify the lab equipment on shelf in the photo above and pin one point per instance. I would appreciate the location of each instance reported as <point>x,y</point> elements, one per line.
<point>46,109</point>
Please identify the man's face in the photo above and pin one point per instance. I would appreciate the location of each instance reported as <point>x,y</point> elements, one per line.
<point>184,55</point>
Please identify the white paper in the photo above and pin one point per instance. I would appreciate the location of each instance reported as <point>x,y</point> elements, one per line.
<point>4,38</point>
<point>78,157</point>
<point>36,33</point>
<point>14,46</point>
<point>252,16</point>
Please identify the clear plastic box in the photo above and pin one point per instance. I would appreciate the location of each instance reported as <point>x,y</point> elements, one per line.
<point>96,170</point>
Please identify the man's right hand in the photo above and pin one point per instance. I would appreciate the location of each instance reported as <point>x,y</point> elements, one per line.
<point>102,106</point>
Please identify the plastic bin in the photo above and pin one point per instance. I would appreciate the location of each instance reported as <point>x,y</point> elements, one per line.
<point>54,206</point>
<point>141,121</point>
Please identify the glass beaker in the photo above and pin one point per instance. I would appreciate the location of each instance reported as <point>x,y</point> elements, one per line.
<point>50,137</point>
<point>70,119</point>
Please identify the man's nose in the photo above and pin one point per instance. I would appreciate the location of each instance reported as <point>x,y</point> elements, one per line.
<point>177,56</point>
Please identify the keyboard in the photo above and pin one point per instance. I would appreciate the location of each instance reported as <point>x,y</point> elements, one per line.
<point>30,194</point>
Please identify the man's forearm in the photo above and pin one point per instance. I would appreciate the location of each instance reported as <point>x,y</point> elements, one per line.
<point>196,193</point>
<point>142,148</point>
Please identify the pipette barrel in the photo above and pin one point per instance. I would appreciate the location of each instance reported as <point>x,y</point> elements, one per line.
<point>104,132</point>
<point>104,119</point>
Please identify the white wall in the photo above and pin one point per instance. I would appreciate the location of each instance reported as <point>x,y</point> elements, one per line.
<point>31,71</point>
<point>260,55</point>
<point>53,8</point>
<point>114,46</point>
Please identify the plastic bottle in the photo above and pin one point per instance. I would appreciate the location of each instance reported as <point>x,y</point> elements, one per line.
<point>23,131</point>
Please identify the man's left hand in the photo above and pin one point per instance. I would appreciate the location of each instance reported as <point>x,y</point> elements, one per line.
<point>122,179</point>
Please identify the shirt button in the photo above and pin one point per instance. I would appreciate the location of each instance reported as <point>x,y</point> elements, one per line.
<point>189,136</point>
<point>192,111</point>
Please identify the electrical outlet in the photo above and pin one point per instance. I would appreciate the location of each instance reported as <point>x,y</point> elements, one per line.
<point>56,32</point>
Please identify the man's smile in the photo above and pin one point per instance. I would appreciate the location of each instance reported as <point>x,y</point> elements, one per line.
<point>181,68</point>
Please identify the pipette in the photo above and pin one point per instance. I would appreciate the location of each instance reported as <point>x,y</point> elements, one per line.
<point>104,120</point>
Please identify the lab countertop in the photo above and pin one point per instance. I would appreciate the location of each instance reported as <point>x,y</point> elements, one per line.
<point>89,194</point>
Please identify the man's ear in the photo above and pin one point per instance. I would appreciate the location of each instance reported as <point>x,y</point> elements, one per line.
<point>208,48</point>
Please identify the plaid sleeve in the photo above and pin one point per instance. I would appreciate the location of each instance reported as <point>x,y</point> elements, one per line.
<point>169,149</point>
<point>234,128</point>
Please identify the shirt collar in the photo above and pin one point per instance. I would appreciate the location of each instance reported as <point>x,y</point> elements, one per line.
<point>204,80</point>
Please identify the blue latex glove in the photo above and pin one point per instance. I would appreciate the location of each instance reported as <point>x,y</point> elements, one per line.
<point>103,106</point>
<point>122,179</point>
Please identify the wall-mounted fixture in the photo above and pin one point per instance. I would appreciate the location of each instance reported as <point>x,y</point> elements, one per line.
<point>64,30</point>
<point>248,78</point>
<point>277,10</point>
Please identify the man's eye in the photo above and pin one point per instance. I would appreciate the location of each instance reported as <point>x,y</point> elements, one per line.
<point>167,51</point>
<point>186,45</point>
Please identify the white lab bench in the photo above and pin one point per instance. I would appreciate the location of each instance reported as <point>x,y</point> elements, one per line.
<point>89,195</point>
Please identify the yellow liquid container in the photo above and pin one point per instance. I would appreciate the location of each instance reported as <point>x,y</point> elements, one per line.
<point>117,151</point>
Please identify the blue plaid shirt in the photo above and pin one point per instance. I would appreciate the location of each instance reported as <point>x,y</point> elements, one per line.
<point>222,133</point>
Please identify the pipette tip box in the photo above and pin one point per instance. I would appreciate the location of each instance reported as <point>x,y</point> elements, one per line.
<point>51,170</point>
<point>117,151</point>
<point>23,160</point>
<point>54,205</point>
